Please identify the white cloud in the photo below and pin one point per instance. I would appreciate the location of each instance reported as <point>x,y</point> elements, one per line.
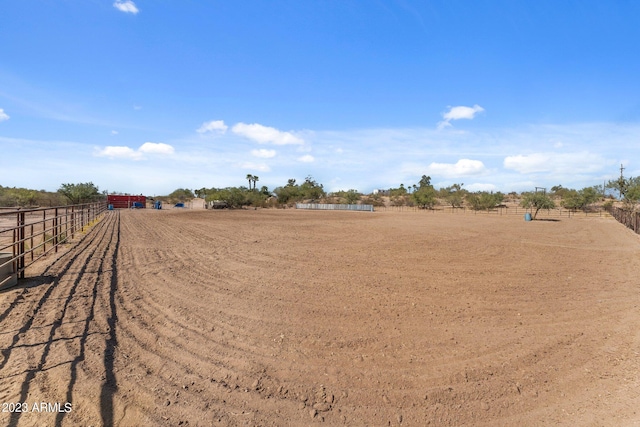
<point>213,126</point>
<point>126,6</point>
<point>261,167</point>
<point>265,134</point>
<point>156,148</point>
<point>457,113</point>
<point>307,158</point>
<point>566,163</point>
<point>114,132</point>
<point>122,152</point>
<point>463,167</point>
<point>3,116</point>
<point>119,152</point>
<point>262,153</point>
<point>481,187</point>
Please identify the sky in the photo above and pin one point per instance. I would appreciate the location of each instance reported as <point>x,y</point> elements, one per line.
<point>144,97</point>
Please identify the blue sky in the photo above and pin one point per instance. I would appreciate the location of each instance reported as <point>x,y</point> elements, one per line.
<point>148,96</point>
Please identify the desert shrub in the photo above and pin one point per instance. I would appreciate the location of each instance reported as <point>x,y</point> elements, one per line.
<point>574,200</point>
<point>482,200</point>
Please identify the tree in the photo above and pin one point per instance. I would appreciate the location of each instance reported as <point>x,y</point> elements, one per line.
<point>537,201</point>
<point>180,195</point>
<point>80,193</point>
<point>310,189</point>
<point>249,178</point>
<point>484,200</point>
<point>255,179</point>
<point>201,193</point>
<point>628,188</point>
<point>560,191</point>
<point>453,195</point>
<point>349,197</point>
<point>580,199</point>
<point>425,181</point>
<point>425,197</point>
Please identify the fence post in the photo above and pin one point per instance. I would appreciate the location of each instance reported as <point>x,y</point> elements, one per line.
<point>21,237</point>
<point>73,221</point>
<point>56,231</point>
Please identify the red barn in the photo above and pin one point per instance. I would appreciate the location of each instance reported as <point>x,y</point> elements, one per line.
<point>124,202</point>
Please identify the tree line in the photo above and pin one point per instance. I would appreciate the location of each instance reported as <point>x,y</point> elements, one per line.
<point>421,194</point>
<point>73,194</point>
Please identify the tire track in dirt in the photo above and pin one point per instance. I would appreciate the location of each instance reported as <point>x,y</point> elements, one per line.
<point>52,332</point>
<point>285,317</point>
<point>60,307</point>
<point>180,339</point>
<point>29,306</point>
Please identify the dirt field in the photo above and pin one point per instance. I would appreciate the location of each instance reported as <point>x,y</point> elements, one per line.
<point>274,317</point>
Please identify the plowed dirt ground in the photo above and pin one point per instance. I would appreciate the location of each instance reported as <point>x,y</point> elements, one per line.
<point>285,317</point>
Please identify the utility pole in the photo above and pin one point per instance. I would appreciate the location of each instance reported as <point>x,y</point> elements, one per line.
<point>621,182</point>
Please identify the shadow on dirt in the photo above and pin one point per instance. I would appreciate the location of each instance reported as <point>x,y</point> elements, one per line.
<point>92,250</point>
<point>110,386</point>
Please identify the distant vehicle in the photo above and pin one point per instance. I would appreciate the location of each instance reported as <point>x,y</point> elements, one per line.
<point>179,205</point>
<point>219,204</point>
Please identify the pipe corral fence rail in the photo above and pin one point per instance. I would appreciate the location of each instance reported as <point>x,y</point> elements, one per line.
<point>27,235</point>
<point>334,207</point>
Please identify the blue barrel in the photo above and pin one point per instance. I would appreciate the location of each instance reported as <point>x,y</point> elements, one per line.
<point>527,216</point>
<point>110,207</point>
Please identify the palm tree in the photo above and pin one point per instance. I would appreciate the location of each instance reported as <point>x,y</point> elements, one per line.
<point>249,178</point>
<point>254,179</point>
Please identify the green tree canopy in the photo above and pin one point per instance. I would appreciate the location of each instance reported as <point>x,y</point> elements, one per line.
<point>574,200</point>
<point>453,195</point>
<point>310,189</point>
<point>481,200</point>
<point>425,181</point>
<point>180,195</point>
<point>425,197</point>
<point>628,188</point>
<point>537,201</point>
<point>80,193</point>
<point>348,197</point>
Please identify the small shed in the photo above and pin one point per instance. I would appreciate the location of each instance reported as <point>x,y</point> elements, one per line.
<point>197,203</point>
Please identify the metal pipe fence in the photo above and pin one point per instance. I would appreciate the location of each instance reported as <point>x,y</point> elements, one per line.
<point>28,235</point>
<point>334,207</point>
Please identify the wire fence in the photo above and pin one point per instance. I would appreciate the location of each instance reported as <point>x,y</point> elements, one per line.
<point>28,235</point>
<point>595,211</point>
<point>628,218</point>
